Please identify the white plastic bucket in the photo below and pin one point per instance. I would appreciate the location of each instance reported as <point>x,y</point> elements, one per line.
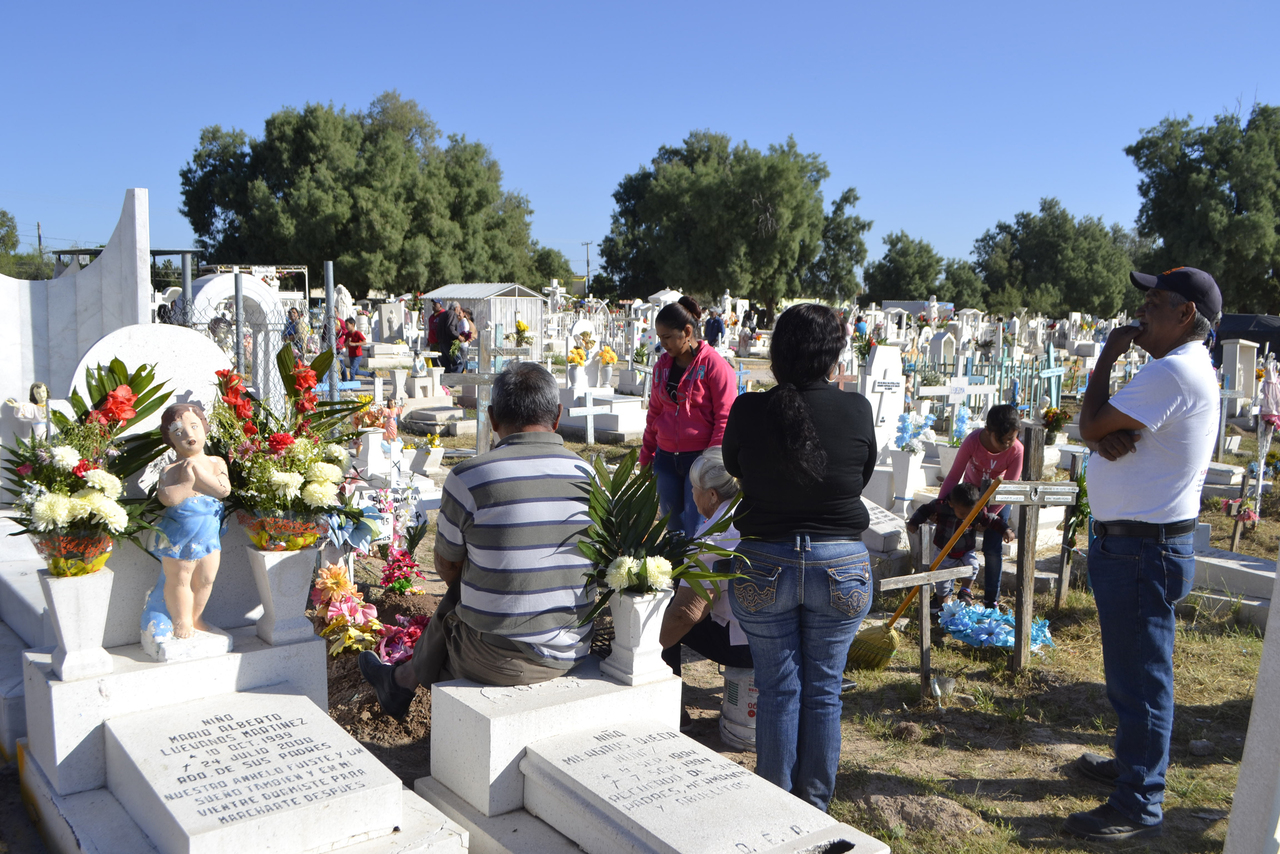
<point>738,713</point>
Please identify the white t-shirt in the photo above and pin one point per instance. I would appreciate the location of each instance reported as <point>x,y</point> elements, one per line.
<point>1178,400</point>
<point>721,610</point>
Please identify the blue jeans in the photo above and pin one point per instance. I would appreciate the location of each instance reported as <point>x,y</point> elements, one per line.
<point>800,604</point>
<point>1136,582</point>
<point>675,492</point>
<point>993,555</point>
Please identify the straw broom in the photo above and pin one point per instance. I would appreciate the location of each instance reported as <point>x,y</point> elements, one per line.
<point>873,647</point>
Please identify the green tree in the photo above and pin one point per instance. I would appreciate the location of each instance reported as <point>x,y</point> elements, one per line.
<point>1051,263</point>
<point>8,233</point>
<point>709,216</point>
<point>1211,196</point>
<point>908,270</point>
<point>965,288</point>
<point>372,191</point>
<point>833,275</point>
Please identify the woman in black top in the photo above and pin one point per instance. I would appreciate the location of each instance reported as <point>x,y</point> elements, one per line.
<point>803,452</point>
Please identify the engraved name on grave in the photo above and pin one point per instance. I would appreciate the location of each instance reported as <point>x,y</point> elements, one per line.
<point>641,786</point>
<point>247,766</point>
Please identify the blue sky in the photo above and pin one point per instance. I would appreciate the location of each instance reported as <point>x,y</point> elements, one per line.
<point>946,117</point>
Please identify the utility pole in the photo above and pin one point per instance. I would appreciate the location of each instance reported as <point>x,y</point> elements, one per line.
<point>588,244</point>
<point>39,250</point>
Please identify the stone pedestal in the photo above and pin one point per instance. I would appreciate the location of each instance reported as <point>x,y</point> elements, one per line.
<point>479,732</point>
<point>283,579</point>
<point>637,653</point>
<point>78,608</point>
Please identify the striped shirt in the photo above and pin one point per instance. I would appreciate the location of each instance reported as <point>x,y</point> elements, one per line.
<point>514,516</point>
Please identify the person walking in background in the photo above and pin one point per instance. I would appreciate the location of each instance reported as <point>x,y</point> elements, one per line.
<point>860,326</point>
<point>446,334</point>
<point>984,455</point>
<point>803,451</point>
<point>693,389</point>
<point>714,329</point>
<point>1152,445</point>
<point>354,342</point>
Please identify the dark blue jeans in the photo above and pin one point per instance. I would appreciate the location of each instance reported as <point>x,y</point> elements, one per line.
<point>800,604</point>
<point>1136,582</point>
<point>675,492</point>
<point>993,557</point>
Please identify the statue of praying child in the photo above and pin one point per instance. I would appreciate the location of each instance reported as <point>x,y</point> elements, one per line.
<point>189,547</point>
<point>390,420</point>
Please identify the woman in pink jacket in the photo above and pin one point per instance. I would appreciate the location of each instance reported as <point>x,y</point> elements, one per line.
<point>693,389</point>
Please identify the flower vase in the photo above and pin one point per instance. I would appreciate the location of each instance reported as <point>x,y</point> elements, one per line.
<point>908,476</point>
<point>434,458</point>
<point>577,376</point>
<point>606,376</point>
<point>1051,437</point>
<point>78,609</point>
<point>947,457</point>
<point>283,579</point>
<point>637,653</point>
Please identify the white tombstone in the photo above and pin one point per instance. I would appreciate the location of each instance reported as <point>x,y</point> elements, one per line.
<point>1239,365</point>
<point>942,347</point>
<point>1254,825</point>
<point>884,386</point>
<point>391,322</point>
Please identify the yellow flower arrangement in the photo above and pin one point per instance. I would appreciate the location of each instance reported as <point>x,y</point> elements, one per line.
<point>607,356</point>
<point>577,356</point>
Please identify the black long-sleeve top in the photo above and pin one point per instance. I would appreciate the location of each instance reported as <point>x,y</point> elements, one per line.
<point>776,502</point>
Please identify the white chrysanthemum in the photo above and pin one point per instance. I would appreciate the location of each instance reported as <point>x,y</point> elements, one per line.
<point>320,494</point>
<point>657,571</point>
<point>324,473</point>
<point>65,457</point>
<point>301,448</point>
<point>51,510</point>
<point>111,514</point>
<point>286,484</point>
<point>81,505</point>
<point>621,572</point>
<point>105,482</point>
<point>336,454</point>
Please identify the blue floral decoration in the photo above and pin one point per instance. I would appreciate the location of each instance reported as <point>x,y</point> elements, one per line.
<point>984,627</point>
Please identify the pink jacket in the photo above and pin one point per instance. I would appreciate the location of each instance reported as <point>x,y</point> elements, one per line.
<point>696,422</point>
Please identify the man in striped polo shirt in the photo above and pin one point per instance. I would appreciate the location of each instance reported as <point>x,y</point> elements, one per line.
<point>506,547</point>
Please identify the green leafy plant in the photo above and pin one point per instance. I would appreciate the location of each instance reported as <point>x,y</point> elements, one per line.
<point>630,548</point>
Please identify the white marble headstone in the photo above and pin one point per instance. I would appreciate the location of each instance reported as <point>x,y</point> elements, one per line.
<point>640,786</point>
<point>255,771</point>
<point>185,360</point>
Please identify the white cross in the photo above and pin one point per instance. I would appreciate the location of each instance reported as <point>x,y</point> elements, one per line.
<point>960,389</point>
<point>590,412</point>
<point>482,382</point>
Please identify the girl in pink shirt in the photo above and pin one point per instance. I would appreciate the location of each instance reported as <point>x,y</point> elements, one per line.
<point>994,451</point>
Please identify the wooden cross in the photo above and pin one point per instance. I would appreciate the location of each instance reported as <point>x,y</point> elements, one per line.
<point>590,412</point>
<point>927,579</point>
<point>1029,495</point>
<point>483,383</point>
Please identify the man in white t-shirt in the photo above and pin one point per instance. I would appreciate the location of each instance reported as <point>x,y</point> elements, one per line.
<point>1152,444</point>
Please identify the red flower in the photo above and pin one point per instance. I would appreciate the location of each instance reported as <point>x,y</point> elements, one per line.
<point>278,442</point>
<point>301,429</point>
<point>119,405</point>
<point>249,429</point>
<point>82,467</point>
<point>303,377</point>
<point>306,403</point>
<point>95,417</point>
<point>244,409</point>
<point>24,469</point>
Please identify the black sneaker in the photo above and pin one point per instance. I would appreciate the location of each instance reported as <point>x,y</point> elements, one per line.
<point>394,700</point>
<point>1108,824</point>
<point>1098,768</point>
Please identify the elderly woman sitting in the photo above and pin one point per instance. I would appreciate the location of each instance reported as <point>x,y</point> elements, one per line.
<point>685,622</point>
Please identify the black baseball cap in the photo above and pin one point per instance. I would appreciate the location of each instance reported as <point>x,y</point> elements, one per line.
<point>1196,285</point>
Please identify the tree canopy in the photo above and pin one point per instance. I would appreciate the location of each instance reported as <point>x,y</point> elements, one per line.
<point>1052,263</point>
<point>1211,197</point>
<point>708,216</point>
<point>372,191</point>
<point>908,270</point>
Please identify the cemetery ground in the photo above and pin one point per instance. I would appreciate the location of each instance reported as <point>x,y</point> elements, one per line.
<point>988,769</point>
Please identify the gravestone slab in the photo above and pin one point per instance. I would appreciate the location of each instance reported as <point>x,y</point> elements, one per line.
<point>250,772</point>
<point>886,531</point>
<point>640,786</point>
<point>391,321</point>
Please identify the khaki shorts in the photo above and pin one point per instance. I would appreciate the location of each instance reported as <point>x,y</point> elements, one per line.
<point>450,649</point>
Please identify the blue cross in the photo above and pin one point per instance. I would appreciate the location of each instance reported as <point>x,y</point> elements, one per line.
<point>742,374</point>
